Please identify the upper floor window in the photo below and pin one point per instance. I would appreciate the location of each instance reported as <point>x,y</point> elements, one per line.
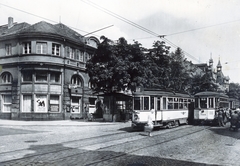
<point>76,80</point>
<point>87,56</point>
<point>41,76</point>
<point>55,77</point>
<point>41,48</point>
<point>8,49</point>
<point>27,76</point>
<point>56,49</point>
<point>70,53</point>
<point>77,55</point>
<point>6,78</point>
<point>27,48</point>
<point>81,56</point>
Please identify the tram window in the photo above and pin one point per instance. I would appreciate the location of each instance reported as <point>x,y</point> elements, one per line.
<point>185,105</point>
<point>203,102</point>
<point>164,103</point>
<point>146,103</point>
<point>175,105</point>
<point>136,102</point>
<point>158,103</point>
<point>210,102</point>
<point>152,102</point>
<point>170,103</point>
<point>180,103</point>
<point>196,103</point>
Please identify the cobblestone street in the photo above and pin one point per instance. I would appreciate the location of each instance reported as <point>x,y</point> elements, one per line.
<point>99,143</point>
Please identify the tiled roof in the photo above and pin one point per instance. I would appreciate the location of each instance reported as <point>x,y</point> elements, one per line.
<point>16,28</point>
<point>42,27</point>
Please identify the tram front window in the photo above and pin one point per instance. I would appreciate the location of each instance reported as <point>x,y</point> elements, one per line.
<point>203,102</point>
<point>136,103</point>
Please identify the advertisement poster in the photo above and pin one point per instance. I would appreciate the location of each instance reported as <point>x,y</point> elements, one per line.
<point>41,105</point>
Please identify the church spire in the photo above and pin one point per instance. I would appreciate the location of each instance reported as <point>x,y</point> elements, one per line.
<point>219,66</point>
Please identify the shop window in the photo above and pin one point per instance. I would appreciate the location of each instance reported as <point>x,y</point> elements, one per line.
<point>41,48</point>
<point>76,80</point>
<point>41,76</point>
<point>75,104</point>
<point>41,103</point>
<point>27,103</point>
<point>54,103</point>
<point>27,48</point>
<point>6,78</point>
<point>55,77</point>
<point>7,103</point>
<point>8,48</point>
<point>56,49</point>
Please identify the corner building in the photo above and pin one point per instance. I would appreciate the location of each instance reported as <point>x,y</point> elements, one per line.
<point>43,71</point>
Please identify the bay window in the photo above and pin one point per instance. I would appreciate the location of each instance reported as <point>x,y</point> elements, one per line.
<point>56,49</point>
<point>41,48</point>
<point>26,48</point>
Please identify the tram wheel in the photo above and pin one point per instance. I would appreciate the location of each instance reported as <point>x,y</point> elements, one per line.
<point>177,123</point>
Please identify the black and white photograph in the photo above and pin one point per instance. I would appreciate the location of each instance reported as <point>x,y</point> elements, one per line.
<point>119,83</point>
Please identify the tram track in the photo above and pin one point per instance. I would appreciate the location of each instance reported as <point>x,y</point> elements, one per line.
<point>132,142</point>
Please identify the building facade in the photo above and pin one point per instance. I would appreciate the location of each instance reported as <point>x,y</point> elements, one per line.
<point>215,75</point>
<point>43,71</point>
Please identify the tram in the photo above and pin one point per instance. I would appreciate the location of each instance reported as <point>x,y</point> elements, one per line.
<point>171,109</point>
<point>206,105</point>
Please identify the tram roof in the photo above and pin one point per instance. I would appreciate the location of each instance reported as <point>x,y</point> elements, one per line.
<point>158,92</point>
<point>210,93</point>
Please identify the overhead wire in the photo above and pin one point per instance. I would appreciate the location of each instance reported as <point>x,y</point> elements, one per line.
<point>135,25</point>
<point>40,17</point>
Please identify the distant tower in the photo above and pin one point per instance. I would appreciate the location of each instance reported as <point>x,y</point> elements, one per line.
<point>219,66</point>
<point>211,62</point>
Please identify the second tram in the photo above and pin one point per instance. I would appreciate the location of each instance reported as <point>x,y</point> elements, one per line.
<point>171,109</point>
<point>206,105</point>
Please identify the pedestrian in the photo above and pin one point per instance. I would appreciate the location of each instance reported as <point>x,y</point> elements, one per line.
<point>220,117</point>
<point>235,119</point>
<point>149,126</point>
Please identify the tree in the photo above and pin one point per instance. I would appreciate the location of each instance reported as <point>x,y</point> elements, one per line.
<point>234,91</point>
<point>118,67</point>
<point>180,71</point>
<point>159,64</point>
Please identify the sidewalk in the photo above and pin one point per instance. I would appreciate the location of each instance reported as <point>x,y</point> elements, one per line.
<point>81,122</point>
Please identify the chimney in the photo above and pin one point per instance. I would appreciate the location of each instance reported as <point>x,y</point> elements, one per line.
<point>10,22</point>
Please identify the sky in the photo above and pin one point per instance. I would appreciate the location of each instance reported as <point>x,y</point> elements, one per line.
<point>201,28</point>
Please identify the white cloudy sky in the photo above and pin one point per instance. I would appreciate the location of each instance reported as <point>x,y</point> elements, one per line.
<point>202,28</point>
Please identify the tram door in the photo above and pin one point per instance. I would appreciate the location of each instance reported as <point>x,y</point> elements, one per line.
<point>153,104</point>
<point>76,104</point>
